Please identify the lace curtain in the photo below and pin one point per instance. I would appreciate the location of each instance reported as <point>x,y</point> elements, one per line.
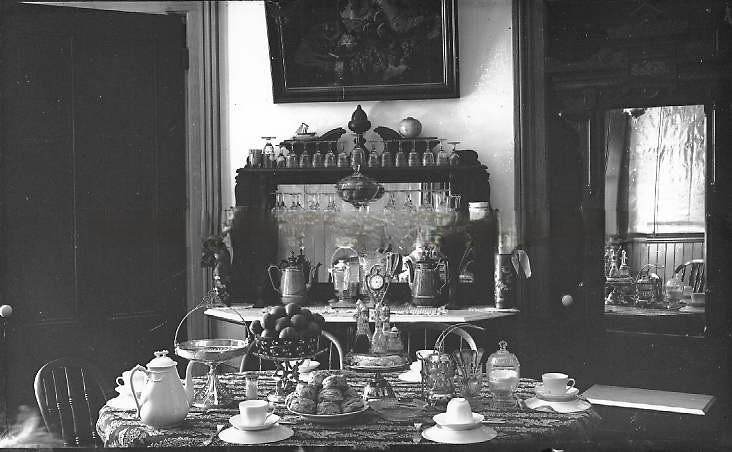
<point>666,152</point>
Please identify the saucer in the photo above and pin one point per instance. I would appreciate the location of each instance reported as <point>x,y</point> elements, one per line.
<point>568,396</point>
<point>573,406</point>
<point>235,436</point>
<point>411,376</point>
<point>122,403</point>
<point>271,420</point>
<point>442,421</point>
<point>442,435</point>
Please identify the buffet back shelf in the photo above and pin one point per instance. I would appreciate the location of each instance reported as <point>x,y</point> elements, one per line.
<point>254,233</point>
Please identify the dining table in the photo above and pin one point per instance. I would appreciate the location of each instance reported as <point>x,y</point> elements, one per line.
<point>517,427</point>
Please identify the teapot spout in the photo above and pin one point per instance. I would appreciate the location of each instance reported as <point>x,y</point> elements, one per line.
<point>188,386</point>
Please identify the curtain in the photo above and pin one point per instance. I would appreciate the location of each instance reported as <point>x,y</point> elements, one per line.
<point>666,183</point>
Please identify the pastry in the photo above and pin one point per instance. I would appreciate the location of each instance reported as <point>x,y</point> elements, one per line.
<point>335,381</point>
<point>307,392</point>
<point>352,404</point>
<point>330,395</point>
<point>318,377</point>
<point>326,407</point>
<point>301,405</point>
<point>378,360</point>
<point>350,393</point>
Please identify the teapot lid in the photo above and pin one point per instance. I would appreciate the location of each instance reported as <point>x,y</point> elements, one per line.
<point>161,360</point>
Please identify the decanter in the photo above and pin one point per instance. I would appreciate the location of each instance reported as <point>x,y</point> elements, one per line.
<point>362,341</point>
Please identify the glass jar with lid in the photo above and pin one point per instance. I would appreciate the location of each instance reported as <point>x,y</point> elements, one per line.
<point>503,370</point>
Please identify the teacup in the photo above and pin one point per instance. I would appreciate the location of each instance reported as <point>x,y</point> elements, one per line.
<point>254,413</point>
<point>698,299</point>
<point>124,380</point>
<point>557,383</point>
<point>416,366</point>
<point>423,354</point>
<point>459,411</point>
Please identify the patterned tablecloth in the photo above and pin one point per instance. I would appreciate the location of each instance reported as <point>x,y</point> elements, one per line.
<point>515,426</point>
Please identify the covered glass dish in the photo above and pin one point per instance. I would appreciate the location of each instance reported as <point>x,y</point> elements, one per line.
<point>359,189</point>
<point>503,370</point>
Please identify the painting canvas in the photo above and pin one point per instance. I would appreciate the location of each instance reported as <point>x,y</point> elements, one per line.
<point>343,50</point>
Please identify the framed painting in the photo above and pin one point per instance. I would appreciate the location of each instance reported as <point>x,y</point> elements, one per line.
<point>345,50</point>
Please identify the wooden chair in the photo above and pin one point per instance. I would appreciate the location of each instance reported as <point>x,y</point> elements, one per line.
<point>70,393</point>
<point>692,274</point>
<point>334,344</point>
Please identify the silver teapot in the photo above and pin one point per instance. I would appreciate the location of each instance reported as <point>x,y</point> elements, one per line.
<point>296,278</point>
<point>427,279</point>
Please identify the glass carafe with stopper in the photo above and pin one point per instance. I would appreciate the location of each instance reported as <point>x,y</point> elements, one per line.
<point>503,370</point>
<point>378,340</point>
<point>362,341</point>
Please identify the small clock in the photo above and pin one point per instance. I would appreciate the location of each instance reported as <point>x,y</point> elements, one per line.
<point>376,283</point>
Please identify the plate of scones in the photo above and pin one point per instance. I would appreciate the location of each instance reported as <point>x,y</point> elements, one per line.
<point>326,399</point>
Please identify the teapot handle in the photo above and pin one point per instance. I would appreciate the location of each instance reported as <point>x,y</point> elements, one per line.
<point>269,273</point>
<point>137,368</point>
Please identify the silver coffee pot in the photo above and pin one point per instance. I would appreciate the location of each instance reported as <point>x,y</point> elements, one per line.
<point>296,277</point>
<point>427,279</point>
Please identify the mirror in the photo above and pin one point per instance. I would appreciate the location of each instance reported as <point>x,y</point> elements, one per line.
<point>655,163</point>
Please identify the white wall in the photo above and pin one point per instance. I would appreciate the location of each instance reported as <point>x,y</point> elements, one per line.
<point>482,118</point>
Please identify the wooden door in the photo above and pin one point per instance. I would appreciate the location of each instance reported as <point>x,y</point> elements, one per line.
<point>93,188</point>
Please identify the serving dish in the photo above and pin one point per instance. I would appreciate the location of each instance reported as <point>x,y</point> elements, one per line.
<point>398,411</point>
<point>329,418</point>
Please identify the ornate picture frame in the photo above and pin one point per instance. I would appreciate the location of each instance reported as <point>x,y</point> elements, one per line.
<point>347,50</point>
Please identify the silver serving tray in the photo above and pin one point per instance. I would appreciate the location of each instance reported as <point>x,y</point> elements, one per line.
<point>211,350</point>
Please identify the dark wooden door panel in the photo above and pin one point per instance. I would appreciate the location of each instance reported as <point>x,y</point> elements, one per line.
<point>93,187</point>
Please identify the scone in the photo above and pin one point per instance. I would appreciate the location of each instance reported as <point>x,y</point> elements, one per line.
<point>329,408</point>
<point>330,395</point>
<point>318,377</point>
<point>301,405</point>
<point>352,404</point>
<point>307,392</point>
<point>335,381</point>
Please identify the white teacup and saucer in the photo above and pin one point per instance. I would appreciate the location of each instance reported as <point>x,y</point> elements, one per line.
<point>255,424</point>
<point>458,416</point>
<point>556,387</point>
<point>459,425</point>
<point>254,415</point>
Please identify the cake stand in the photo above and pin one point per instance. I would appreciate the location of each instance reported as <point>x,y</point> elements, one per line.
<point>378,388</point>
<point>211,352</point>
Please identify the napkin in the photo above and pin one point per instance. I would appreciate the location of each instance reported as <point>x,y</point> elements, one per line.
<point>572,406</point>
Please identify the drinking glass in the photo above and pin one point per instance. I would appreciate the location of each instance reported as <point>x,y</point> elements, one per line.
<point>443,157</point>
<point>408,203</point>
<point>454,202</point>
<point>332,206</point>
<point>454,156</point>
<point>295,198</point>
<point>312,201</point>
<point>391,204</point>
<point>427,205</point>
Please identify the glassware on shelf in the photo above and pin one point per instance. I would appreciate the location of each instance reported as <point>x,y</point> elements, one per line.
<point>344,158</point>
<point>443,157</point>
<point>279,205</point>
<point>291,160</point>
<point>317,158</point>
<point>391,203</point>
<point>357,156</point>
<point>454,201</point>
<point>312,201</point>
<point>374,161</point>
<point>331,206</point>
<point>268,153</point>
<point>503,371</point>
<point>330,158</point>
<point>454,156</point>
<point>296,205</point>
<point>427,201</point>
<point>408,203</point>
<point>413,157</point>
<point>305,159</point>
<point>428,157</point>
<point>400,159</point>
<point>281,160</point>
<point>386,157</point>
<point>255,158</point>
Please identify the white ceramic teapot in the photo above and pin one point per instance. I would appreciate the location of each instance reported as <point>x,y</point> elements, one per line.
<point>164,401</point>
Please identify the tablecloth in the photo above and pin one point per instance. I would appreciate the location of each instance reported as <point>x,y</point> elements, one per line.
<point>514,425</point>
